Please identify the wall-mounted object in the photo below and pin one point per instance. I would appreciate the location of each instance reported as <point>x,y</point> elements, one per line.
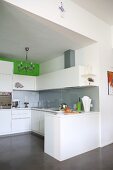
<point>61,7</point>
<point>110,82</point>
<point>62,10</point>
<point>88,75</point>
<point>89,78</point>
<point>18,85</point>
<point>69,58</point>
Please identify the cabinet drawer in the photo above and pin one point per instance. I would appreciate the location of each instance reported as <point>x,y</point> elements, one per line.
<point>19,114</point>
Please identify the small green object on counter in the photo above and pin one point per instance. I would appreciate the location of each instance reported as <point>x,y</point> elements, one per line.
<point>79,104</point>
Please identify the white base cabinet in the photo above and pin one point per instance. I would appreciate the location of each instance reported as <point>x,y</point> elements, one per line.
<point>42,115</point>
<point>21,120</point>
<point>20,125</point>
<point>37,121</point>
<point>5,121</point>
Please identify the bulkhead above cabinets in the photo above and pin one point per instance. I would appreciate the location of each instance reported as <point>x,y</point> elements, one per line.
<point>69,77</point>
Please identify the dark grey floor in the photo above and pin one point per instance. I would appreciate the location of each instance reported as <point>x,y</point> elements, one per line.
<point>25,152</point>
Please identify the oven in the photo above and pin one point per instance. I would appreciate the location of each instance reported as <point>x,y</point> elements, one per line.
<point>5,100</point>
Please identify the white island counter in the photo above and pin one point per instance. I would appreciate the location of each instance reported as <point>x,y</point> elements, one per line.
<point>69,135</point>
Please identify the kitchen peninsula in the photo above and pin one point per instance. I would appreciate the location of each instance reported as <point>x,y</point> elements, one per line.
<point>69,135</point>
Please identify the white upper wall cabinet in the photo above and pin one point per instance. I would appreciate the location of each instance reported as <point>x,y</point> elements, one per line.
<point>6,72</point>
<point>6,83</point>
<point>70,77</point>
<point>21,82</point>
<point>6,67</point>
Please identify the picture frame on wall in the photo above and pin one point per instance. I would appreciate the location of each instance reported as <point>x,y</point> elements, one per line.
<point>110,82</point>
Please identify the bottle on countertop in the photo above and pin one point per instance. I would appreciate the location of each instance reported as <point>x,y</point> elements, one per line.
<point>79,104</point>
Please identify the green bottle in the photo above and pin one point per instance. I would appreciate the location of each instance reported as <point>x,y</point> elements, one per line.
<point>79,105</point>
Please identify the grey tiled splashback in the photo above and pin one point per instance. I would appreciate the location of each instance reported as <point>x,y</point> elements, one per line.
<point>53,98</point>
<point>29,96</point>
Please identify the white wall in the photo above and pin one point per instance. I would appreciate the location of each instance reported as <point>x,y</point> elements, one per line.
<point>52,65</point>
<point>106,101</point>
<point>112,35</point>
<point>89,56</point>
<point>79,20</point>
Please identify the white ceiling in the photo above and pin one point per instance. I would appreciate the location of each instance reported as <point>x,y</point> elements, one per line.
<point>103,9</point>
<point>46,40</point>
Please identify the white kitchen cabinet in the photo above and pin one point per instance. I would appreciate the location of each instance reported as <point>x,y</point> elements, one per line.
<point>5,121</point>
<point>6,67</point>
<point>37,121</point>
<point>27,82</point>
<point>6,71</point>
<point>41,128</point>
<point>6,83</point>
<point>20,125</point>
<point>70,77</point>
<point>21,120</point>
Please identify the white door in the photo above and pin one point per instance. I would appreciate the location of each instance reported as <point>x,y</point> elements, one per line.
<point>21,125</point>
<point>6,82</point>
<point>21,120</point>
<point>35,121</point>
<point>5,122</point>
<point>42,113</point>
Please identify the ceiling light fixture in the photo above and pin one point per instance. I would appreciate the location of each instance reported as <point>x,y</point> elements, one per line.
<point>26,66</point>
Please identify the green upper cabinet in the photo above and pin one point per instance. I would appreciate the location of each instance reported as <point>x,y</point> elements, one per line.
<point>34,72</point>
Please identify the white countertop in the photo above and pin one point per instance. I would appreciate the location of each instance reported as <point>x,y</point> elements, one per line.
<point>57,113</point>
<point>39,109</point>
<point>62,115</point>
